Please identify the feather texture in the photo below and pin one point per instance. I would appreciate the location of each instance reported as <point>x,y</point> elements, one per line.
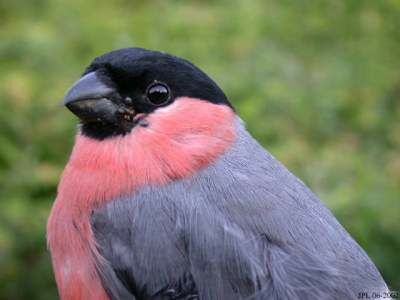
<point>179,140</point>
<point>243,227</point>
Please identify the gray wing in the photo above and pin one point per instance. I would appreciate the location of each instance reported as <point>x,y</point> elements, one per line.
<point>243,228</point>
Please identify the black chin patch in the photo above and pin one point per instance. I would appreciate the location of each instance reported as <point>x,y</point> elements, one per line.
<point>101,131</point>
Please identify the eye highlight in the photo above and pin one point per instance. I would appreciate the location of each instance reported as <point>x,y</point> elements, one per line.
<point>158,93</point>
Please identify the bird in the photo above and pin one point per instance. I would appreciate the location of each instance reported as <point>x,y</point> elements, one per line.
<point>166,195</point>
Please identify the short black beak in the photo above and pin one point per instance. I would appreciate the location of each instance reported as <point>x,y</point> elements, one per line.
<point>90,99</point>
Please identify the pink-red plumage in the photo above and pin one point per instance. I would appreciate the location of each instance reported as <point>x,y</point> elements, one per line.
<point>179,140</point>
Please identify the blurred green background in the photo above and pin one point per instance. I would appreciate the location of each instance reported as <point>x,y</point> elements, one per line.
<point>318,83</point>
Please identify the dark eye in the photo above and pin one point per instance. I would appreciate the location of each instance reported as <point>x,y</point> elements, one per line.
<point>158,93</point>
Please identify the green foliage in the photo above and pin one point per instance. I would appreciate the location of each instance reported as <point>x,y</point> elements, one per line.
<point>318,83</point>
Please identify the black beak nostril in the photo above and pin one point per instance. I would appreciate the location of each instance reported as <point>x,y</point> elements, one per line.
<point>128,101</point>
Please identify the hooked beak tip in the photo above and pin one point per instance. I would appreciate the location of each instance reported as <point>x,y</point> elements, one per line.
<point>87,87</point>
<point>89,99</point>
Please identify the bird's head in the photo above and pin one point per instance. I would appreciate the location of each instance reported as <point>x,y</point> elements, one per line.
<point>145,117</point>
<point>121,89</point>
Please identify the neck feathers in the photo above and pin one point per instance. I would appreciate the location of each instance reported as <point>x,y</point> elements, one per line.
<point>179,140</point>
